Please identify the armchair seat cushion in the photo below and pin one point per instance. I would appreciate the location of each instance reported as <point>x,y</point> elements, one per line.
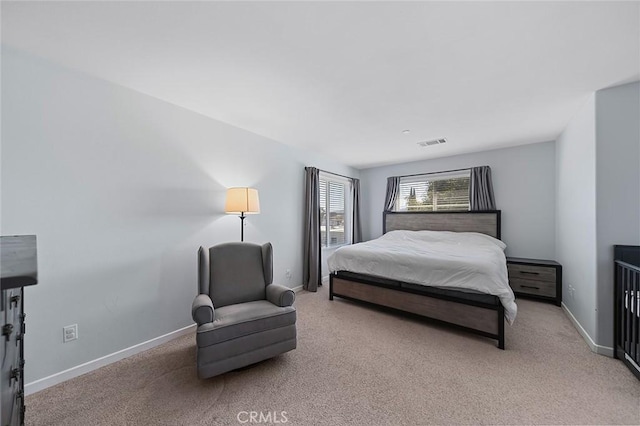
<point>242,319</point>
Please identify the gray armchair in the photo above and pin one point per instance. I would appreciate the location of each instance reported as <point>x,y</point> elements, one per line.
<point>242,317</point>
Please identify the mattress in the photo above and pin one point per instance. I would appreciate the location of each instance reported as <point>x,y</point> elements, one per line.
<point>456,260</point>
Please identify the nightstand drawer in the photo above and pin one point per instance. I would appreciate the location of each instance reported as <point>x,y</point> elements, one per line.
<point>532,272</point>
<point>536,288</point>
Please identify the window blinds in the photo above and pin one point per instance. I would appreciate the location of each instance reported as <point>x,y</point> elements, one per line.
<point>445,191</point>
<point>332,225</point>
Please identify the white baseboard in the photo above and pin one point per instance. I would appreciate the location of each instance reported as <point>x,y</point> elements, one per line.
<point>300,288</point>
<point>63,376</point>
<point>81,369</point>
<point>599,349</point>
<point>604,350</point>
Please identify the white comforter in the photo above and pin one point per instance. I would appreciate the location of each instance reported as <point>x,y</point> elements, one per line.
<point>460,260</point>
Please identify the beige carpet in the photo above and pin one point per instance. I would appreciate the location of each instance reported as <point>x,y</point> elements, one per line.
<point>358,365</point>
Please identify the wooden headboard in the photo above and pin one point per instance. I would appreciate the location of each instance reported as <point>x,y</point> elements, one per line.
<point>485,222</point>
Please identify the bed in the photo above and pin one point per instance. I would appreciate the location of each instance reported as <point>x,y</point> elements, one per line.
<point>438,298</point>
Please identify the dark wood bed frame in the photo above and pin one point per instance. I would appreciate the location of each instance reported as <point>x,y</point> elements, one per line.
<point>481,314</point>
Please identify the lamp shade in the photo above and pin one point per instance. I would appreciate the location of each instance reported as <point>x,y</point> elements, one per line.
<point>242,200</point>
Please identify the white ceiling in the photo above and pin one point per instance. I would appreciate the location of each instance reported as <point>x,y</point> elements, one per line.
<point>344,78</point>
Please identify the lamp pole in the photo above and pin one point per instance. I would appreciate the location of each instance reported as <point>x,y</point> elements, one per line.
<point>242,216</point>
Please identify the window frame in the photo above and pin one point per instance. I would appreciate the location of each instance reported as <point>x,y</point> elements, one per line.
<point>400,203</point>
<point>348,209</point>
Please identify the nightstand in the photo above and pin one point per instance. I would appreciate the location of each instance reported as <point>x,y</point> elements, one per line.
<point>539,279</point>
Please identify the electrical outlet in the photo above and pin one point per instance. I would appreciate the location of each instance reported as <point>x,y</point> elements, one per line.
<point>70,333</point>
<point>288,274</point>
<point>571,292</point>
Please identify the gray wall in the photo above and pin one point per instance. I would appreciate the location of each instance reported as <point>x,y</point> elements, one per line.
<point>576,215</point>
<point>121,189</point>
<point>598,203</point>
<point>617,189</point>
<point>524,186</point>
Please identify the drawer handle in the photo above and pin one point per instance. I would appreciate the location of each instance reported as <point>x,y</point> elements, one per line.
<point>530,286</point>
<point>15,375</point>
<point>7,329</point>
<point>530,273</point>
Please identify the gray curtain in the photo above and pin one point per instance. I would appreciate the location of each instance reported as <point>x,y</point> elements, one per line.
<point>393,186</point>
<point>311,269</point>
<point>356,225</point>
<point>481,189</point>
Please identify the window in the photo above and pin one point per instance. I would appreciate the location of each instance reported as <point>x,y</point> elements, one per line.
<point>335,211</point>
<point>434,192</point>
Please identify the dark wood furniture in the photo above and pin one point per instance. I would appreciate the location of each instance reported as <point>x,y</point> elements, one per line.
<point>535,278</point>
<point>481,314</point>
<point>626,307</point>
<point>18,269</point>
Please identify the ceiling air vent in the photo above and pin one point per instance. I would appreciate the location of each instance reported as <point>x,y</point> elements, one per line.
<point>432,142</point>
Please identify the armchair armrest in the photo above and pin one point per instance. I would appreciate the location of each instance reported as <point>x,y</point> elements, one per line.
<point>202,309</point>
<point>280,295</point>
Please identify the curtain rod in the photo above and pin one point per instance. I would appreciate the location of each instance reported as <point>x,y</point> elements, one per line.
<point>336,174</point>
<point>435,173</point>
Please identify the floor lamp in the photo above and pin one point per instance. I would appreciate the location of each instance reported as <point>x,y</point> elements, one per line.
<point>242,201</point>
